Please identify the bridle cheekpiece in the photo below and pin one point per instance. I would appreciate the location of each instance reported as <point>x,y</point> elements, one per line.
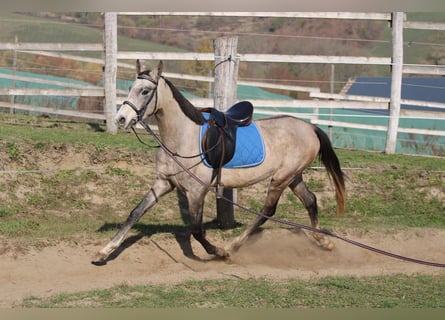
<point>140,112</point>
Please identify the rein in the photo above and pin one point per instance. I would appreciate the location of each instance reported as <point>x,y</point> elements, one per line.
<point>141,112</point>
<point>284,222</point>
<point>171,152</point>
<point>140,115</point>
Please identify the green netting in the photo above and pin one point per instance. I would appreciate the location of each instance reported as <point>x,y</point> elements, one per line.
<point>57,102</point>
<point>364,139</point>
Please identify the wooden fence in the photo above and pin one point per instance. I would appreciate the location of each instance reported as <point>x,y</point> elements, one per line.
<point>112,60</point>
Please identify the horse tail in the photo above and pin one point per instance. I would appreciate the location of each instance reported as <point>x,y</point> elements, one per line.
<point>330,161</point>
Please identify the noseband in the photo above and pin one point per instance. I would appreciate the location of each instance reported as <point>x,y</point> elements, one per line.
<point>140,112</point>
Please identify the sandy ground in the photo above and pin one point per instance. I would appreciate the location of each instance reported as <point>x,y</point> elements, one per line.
<point>274,254</point>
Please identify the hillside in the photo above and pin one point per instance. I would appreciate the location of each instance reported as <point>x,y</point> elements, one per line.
<point>256,35</point>
<point>283,36</point>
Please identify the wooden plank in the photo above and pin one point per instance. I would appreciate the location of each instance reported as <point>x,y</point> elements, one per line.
<point>341,96</point>
<point>419,114</point>
<point>332,104</point>
<point>44,110</point>
<point>319,15</point>
<point>351,97</point>
<point>53,92</point>
<point>279,86</point>
<point>349,125</point>
<point>314,59</point>
<point>424,69</point>
<point>133,55</point>
<point>279,113</point>
<point>45,81</point>
<point>429,104</point>
<point>64,56</point>
<point>45,46</point>
<point>376,127</point>
<point>422,25</point>
<point>423,131</point>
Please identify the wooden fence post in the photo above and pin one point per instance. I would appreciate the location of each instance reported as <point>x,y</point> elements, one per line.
<point>396,81</point>
<point>14,71</point>
<point>110,70</point>
<point>225,91</point>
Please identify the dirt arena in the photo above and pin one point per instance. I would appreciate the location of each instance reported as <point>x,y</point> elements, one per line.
<point>164,258</point>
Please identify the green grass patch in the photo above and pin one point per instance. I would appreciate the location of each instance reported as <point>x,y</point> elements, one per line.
<point>23,128</point>
<point>36,29</point>
<point>383,191</point>
<point>398,291</point>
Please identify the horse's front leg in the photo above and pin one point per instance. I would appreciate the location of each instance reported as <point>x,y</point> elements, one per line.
<point>196,204</point>
<point>159,188</point>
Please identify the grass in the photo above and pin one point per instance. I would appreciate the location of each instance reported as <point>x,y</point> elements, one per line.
<point>399,291</point>
<point>38,132</point>
<point>34,29</point>
<point>384,191</point>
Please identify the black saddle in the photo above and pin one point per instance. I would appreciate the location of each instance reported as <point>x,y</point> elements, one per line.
<point>238,115</point>
<point>219,140</point>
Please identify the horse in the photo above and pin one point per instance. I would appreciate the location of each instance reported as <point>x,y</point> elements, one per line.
<point>291,145</point>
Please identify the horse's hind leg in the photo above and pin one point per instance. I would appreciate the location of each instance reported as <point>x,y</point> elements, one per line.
<point>159,188</point>
<point>309,200</point>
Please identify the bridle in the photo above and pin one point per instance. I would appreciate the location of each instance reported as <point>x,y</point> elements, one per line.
<point>154,94</point>
<point>140,117</point>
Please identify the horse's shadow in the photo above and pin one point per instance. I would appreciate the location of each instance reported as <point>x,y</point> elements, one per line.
<point>181,233</point>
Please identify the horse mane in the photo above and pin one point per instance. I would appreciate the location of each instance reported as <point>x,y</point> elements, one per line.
<point>189,109</point>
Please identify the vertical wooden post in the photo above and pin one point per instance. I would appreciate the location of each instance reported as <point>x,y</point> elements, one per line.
<point>331,90</point>
<point>225,91</point>
<point>14,71</point>
<point>110,70</point>
<point>396,81</point>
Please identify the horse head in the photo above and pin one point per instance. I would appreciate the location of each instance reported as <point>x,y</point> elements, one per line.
<point>142,99</point>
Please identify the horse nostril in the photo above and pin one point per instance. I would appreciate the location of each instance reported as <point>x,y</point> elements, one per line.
<point>121,121</point>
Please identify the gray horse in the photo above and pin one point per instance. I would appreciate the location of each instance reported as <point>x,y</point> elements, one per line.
<point>291,146</point>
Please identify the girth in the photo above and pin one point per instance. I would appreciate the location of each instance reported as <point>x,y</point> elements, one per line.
<point>219,140</point>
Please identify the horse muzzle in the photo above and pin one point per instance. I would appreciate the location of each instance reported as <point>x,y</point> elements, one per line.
<point>125,120</point>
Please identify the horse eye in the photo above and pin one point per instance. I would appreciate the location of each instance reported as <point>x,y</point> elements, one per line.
<point>145,92</point>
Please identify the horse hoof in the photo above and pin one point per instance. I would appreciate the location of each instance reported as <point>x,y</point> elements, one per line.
<point>329,246</point>
<point>99,259</point>
<point>99,262</point>
<point>222,253</point>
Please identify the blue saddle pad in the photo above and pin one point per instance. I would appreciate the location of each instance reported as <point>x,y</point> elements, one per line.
<point>249,149</point>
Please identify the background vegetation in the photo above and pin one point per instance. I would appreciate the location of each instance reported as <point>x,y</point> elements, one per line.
<point>196,34</point>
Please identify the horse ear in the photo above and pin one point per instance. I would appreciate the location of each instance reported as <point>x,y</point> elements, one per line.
<point>139,66</point>
<point>160,67</point>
